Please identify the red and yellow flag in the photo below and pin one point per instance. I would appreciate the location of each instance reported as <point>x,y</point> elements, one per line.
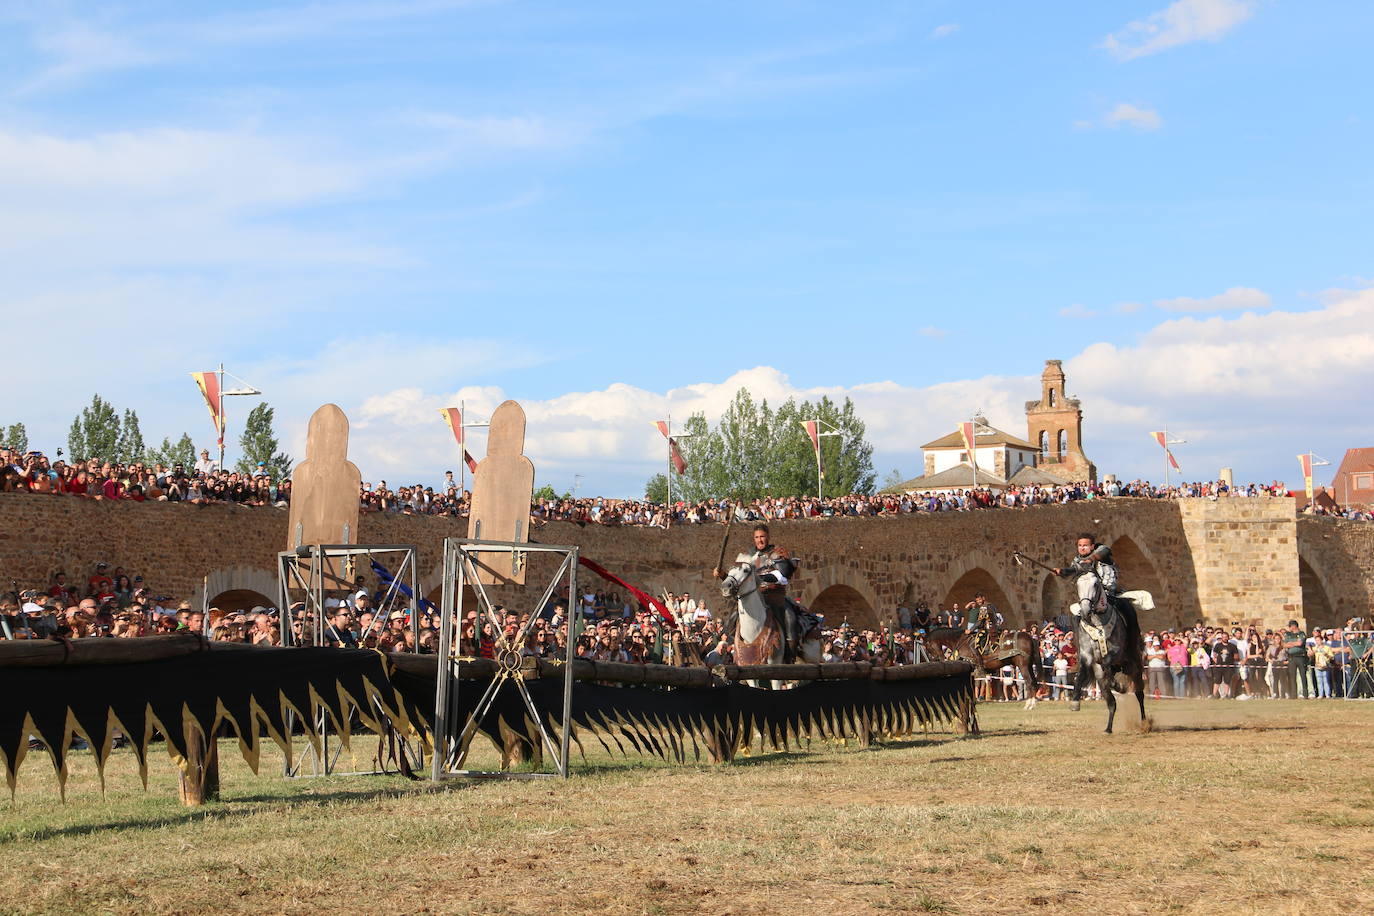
<point>208,383</point>
<point>674,453</point>
<point>454,418</point>
<point>1163,441</point>
<point>966,433</point>
<point>813,430</point>
<point>1306,462</point>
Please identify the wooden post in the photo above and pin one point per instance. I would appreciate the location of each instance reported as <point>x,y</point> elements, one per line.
<point>200,778</point>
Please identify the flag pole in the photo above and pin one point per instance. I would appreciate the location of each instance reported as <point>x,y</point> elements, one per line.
<point>1165,458</point>
<point>668,519</point>
<point>462,450</point>
<point>221,418</point>
<point>820,477</point>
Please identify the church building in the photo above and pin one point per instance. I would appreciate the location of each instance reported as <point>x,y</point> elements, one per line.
<point>1055,425</point>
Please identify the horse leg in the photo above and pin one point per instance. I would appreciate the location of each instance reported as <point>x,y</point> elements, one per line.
<point>1110,696</point>
<point>1030,680</point>
<point>1078,682</point>
<point>1140,695</point>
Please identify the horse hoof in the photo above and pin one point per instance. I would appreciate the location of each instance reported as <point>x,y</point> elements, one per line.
<point>1030,704</point>
<point>1073,707</point>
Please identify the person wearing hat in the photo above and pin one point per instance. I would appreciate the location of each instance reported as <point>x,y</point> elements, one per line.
<point>1295,645</point>
<point>205,466</point>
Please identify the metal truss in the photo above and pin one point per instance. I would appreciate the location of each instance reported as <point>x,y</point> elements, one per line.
<point>451,740</point>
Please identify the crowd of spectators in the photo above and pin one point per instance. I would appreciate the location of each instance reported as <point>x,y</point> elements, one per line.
<point>205,482</point>
<point>94,478</point>
<point>1235,662</point>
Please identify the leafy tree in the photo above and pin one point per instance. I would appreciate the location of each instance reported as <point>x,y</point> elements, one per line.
<point>95,432</point>
<point>894,477</point>
<point>656,490</point>
<point>130,446</point>
<point>546,492</point>
<point>16,437</point>
<point>169,454</point>
<point>259,443</point>
<point>756,451</point>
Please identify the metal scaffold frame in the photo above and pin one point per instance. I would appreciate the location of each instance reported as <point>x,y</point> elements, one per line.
<point>461,570</point>
<point>306,570</point>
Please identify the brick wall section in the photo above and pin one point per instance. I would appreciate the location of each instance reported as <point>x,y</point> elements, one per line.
<point>1245,556</point>
<point>1234,559</point>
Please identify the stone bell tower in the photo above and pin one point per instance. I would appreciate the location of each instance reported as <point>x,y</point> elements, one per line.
<point>1054,425</point>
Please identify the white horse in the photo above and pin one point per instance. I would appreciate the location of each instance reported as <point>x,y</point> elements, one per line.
<point>1110,655</point>
<point>758,635</point>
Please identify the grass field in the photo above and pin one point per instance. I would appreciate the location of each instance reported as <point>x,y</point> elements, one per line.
<point>1225,807</point>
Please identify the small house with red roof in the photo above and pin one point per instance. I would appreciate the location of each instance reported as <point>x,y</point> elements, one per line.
<point>1354,480</point>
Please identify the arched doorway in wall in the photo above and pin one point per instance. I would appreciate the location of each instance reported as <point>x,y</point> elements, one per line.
<point>241,599</point>
<point>1054,598</point>
<point>979,581</point>
<point>1135,571</point>
<point>1317,610</point>
<point>839,603</point>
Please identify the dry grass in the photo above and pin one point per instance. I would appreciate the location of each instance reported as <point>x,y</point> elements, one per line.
<point>1221,808</point>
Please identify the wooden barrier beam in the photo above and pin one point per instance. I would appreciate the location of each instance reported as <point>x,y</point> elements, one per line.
<point>585,669</point>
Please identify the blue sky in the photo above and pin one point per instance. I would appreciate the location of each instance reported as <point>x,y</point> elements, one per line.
<point>610,211</point>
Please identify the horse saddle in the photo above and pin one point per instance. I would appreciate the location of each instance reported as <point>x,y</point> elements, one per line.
<point>984,642</point>
<point>1108,619</point>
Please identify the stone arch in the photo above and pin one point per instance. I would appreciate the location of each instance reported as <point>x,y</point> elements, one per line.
<point>1137,571</point>
<point>979,580</point>
<point>840,603</point>
<point>1054,598</point>
<point>846,591</point>
<point>1062,443</point>
<point>974,574</point>
<point>1317,608</point>
<point>225,582</point>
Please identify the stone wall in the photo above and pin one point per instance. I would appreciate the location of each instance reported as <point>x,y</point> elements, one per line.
<point>1336,569</point>
<point>1245,557</point>
<point>1230,560</point>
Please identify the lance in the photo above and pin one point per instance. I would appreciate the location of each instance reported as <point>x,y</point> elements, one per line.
<point>1020,559</point>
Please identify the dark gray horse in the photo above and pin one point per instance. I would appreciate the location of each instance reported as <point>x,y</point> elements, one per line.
<point>1112,655</point>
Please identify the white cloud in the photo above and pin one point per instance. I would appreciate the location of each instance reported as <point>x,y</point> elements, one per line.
<point>1077,311</point>
<point>944,31</point>
<point>1233,383</point>
<point>1180,23</point>
<point>1234,299</point>
<point>1127,308</point>
<point>1128,115</point>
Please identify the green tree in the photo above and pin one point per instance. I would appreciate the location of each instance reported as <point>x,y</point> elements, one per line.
<point>259,443</point>
<point>656,490</point>
<point>756,451</point>
<point>169,454</point>
<point>130,446</point>
<point>546,492</point>
<point>95,432</point>
<point>16,437</point>
<point>894,478</point>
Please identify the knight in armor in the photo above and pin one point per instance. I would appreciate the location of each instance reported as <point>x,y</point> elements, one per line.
<point>980,620</point>
<point>1092,558</point>
<point>773,569</point>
